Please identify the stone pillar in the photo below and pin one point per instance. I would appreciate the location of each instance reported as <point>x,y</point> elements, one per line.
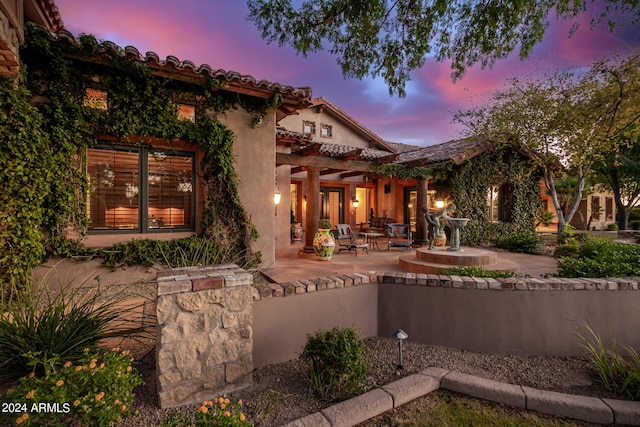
<point>313,208</point>
<point>421,238</point>
<point>204,345</point>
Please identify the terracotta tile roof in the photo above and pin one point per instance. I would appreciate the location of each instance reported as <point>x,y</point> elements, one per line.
<point>403,148</point>
<point>44,12</point>
<point>457,151</point>
<point>172,66</point>
<point>337,151</point>
<point>286,134</point>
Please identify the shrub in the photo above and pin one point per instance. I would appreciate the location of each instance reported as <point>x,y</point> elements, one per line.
<point>324,224</point>
<point>571,248</point>
<point>475,271</point>
<point>616,373</point>
<point>634,225</point>
<point>219,412</point>
<point>600,257</point>
<point>528,243</point>
<point>336,363</point>
<point>60,325</point>
<point>97,391</point>
<point>612,227</point>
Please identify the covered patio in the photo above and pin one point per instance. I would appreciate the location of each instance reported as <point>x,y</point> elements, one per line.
<point>290,266</point>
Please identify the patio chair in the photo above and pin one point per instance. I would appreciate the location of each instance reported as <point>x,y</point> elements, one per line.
<point>350,241</point>
<point>399,236</point>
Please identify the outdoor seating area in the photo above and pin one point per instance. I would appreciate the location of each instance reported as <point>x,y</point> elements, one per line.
<point>349,241</point>
<point>399,236</point>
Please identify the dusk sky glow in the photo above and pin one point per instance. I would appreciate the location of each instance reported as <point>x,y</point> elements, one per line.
<point>216,32</point>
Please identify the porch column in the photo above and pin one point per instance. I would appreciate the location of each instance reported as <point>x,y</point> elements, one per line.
<point>421,238</point>
<point>313,208</point>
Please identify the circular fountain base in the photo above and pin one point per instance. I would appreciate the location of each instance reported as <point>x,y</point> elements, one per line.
<point>432,261</point>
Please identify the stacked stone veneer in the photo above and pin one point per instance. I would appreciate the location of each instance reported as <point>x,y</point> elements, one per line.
<point>204,333</point>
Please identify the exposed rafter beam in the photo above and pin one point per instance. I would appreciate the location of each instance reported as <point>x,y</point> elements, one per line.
<point>297,169</point>
<point>387,159</point>
<point>330,171</point>
<point>352,155</point>
<point>309,150</point>
<point>350,174</point>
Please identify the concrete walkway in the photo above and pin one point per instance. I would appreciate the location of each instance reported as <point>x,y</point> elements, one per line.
<point>377,401</point>
<point>290,266</point>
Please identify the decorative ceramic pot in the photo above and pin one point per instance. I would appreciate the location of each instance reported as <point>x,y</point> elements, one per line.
<point>323,244</point>
<point>296,232</point>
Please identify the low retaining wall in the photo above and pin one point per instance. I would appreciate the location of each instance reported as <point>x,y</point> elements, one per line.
<point>284,314</point>
<point>204,343</point>
<point>512,316</point>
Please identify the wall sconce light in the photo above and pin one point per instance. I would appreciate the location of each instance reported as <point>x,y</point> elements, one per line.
<point>355,202</point>
<point>277,195</point>
<point>439,204</point>
<point>400,335</point>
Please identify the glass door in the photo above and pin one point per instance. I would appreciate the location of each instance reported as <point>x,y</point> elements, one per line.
<point>332,204</point>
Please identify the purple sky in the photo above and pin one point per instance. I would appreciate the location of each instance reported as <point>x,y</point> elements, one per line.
<point>217,33</point>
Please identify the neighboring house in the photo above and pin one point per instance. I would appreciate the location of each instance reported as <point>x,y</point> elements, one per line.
<point>597,210</point>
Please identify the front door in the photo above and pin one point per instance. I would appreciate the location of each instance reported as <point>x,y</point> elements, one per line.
<point>332,204</point>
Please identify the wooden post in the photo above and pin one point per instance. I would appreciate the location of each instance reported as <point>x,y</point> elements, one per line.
<point>313,208</point>
<point>421,238</point>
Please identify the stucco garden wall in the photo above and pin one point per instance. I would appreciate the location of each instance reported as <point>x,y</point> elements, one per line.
<point>510,316</point>
<point>281,323</point>
<point>255,163</point>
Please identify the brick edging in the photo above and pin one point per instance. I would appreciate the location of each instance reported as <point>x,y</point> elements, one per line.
<point>263,291</point>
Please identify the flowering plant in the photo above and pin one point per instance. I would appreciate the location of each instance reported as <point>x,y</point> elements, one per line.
<point>219,412</point>
<point>97,391</point>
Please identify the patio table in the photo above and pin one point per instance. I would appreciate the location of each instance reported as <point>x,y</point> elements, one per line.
<point>372,239</point>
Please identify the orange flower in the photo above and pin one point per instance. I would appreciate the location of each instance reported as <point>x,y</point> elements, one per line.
<point>115,349</point>
<point>123,407</point>
<point>59,383</point>
<point>116,402</point>
<point>22,418</point>
<point>76,402</point>
<point>92,365</point>
<point>31,394</point>
<point>99,396</point>
<point>240,402</point>
<point>101,365</point>
<point>32,374</point>
<point>129,368</point>
<point>79,368</point>
<point>242,417</point>
<point>226,401</point>
<point>203,409</point>
<point>67,364</point>
<point>227,414</point>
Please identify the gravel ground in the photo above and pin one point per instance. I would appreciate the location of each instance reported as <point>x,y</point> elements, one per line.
<point>290,393</point>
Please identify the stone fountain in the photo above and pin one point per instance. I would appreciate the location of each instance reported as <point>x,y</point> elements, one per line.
<point>430,260</point>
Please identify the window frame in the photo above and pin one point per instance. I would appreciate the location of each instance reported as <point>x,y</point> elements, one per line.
<point>143,189</point>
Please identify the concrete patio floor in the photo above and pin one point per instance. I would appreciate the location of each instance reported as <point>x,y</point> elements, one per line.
<point>290,266</point>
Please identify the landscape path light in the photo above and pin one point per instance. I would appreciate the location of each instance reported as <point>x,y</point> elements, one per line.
<point>400,335</point>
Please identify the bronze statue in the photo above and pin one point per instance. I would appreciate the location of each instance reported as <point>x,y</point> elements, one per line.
<point>433,222</point>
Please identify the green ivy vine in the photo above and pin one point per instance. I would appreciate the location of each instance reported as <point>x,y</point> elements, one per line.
<point>42,154</point>
<point>467,185</point>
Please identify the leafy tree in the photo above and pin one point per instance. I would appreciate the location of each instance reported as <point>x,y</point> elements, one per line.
<point>391,38</point>
<point>566,121</point>
<point>619,171</point>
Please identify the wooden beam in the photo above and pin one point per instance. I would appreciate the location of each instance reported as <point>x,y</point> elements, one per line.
<point>309,150</point>
<point>323,162</point>
<point>352,155</point>
<point>350,174</point>
<point>297,169</point>
<point>330,171</point>
<point>387,159</point>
